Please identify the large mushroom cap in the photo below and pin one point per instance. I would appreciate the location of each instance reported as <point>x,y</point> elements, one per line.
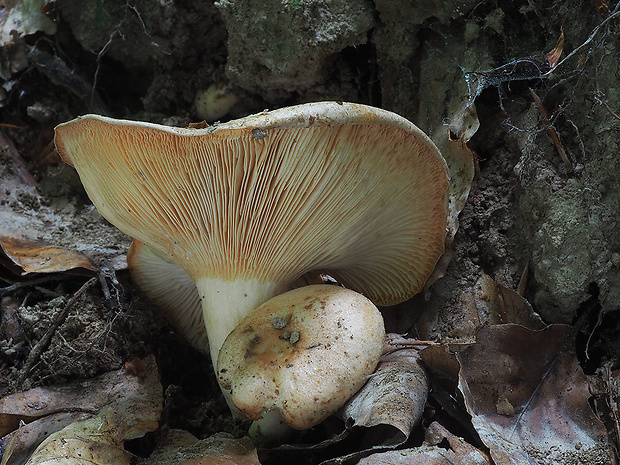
<point>352,190</point>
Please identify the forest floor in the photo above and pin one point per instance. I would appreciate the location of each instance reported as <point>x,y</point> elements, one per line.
<point>524,102</point>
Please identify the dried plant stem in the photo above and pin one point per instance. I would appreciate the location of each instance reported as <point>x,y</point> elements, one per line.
<point>552,132</point>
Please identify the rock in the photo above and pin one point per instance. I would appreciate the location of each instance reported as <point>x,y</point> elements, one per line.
<point>276,48</point>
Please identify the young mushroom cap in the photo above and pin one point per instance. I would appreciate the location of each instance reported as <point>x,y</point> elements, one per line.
<point>303,353</point>
<point>248,206</point>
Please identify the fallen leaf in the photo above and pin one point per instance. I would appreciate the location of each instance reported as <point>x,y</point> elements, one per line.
<point>380,416</point>
<point>117,406</point>
<point>36,237</point>
<point>24,18</point>
<point>442,362</point>
<point>553,57</point>
<point>98,440</point>
<point>461,161</point>
<point>462,124</point>
<point>27,437</point>
<point>394,396</point>
<point>497,304</point>
<point>602,6</point>
<point>459,452</point>
<point>34,257</point>
<point>181,448</point>
<point>537,374</point>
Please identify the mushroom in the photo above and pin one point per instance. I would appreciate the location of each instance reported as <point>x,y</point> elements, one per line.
<point>214,102</point>
<point>172,291</point>
<point>248,206</point>
<point>300,356</point>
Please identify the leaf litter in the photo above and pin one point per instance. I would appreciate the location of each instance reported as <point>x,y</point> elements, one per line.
<point>82,422</point>
<point>528,397</point>
<point>488,303</point>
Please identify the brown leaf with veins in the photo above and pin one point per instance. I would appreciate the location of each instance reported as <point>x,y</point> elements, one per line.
<point>83,422</point>
<point>496,304</point>
<point>39,235</point>
<point>534,374</point>
<point>394,395</point>
<point>34,257</point>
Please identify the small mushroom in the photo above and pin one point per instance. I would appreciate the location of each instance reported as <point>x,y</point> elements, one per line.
<point>214,102</point>
<point>246,207</point>
<point>301,380</point>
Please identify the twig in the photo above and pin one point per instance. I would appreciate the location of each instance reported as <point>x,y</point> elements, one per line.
<point>611,402</point>
<point>394,342</point>
<point>32,282</point>
<point>588,40</point>
<point>42,344</point>
<point>102,52</point>
<point>552,132</point>
<point>600,101</point>
<point>12,126</point>
<point>523,280</point>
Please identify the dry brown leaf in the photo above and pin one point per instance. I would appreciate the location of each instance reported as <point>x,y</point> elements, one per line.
<point>459,452</point>
<point>90,395</point>
<point>442,363</point>
<point>497,304</point>
<point>536,375</point>
<point>98,416</point>
<point>24,18</point>
<point>395,395</point>
<point>36,237</point>
<point>384,412</point>
<point>97,440</point>
<point>602,7</point>
<point>553,57</point>
<point>181,448</point>
<point>379,417</point>
<point>487,302</point>
<point>33,257</point>
<point>29,436</point>
<point>461,160</point>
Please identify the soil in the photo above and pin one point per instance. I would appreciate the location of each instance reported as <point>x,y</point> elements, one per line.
<point>531,222</point>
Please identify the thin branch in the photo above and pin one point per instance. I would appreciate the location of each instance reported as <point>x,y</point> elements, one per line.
<point>552,132</point>
<point>30,283</point>
<point>588,40</point>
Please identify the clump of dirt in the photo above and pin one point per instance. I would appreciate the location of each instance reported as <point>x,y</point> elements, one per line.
<point>72,337</point>
<point>277,49</point>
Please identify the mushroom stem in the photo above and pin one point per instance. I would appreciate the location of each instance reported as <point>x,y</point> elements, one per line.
<point>270,429</point>
<point>226,302</point>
